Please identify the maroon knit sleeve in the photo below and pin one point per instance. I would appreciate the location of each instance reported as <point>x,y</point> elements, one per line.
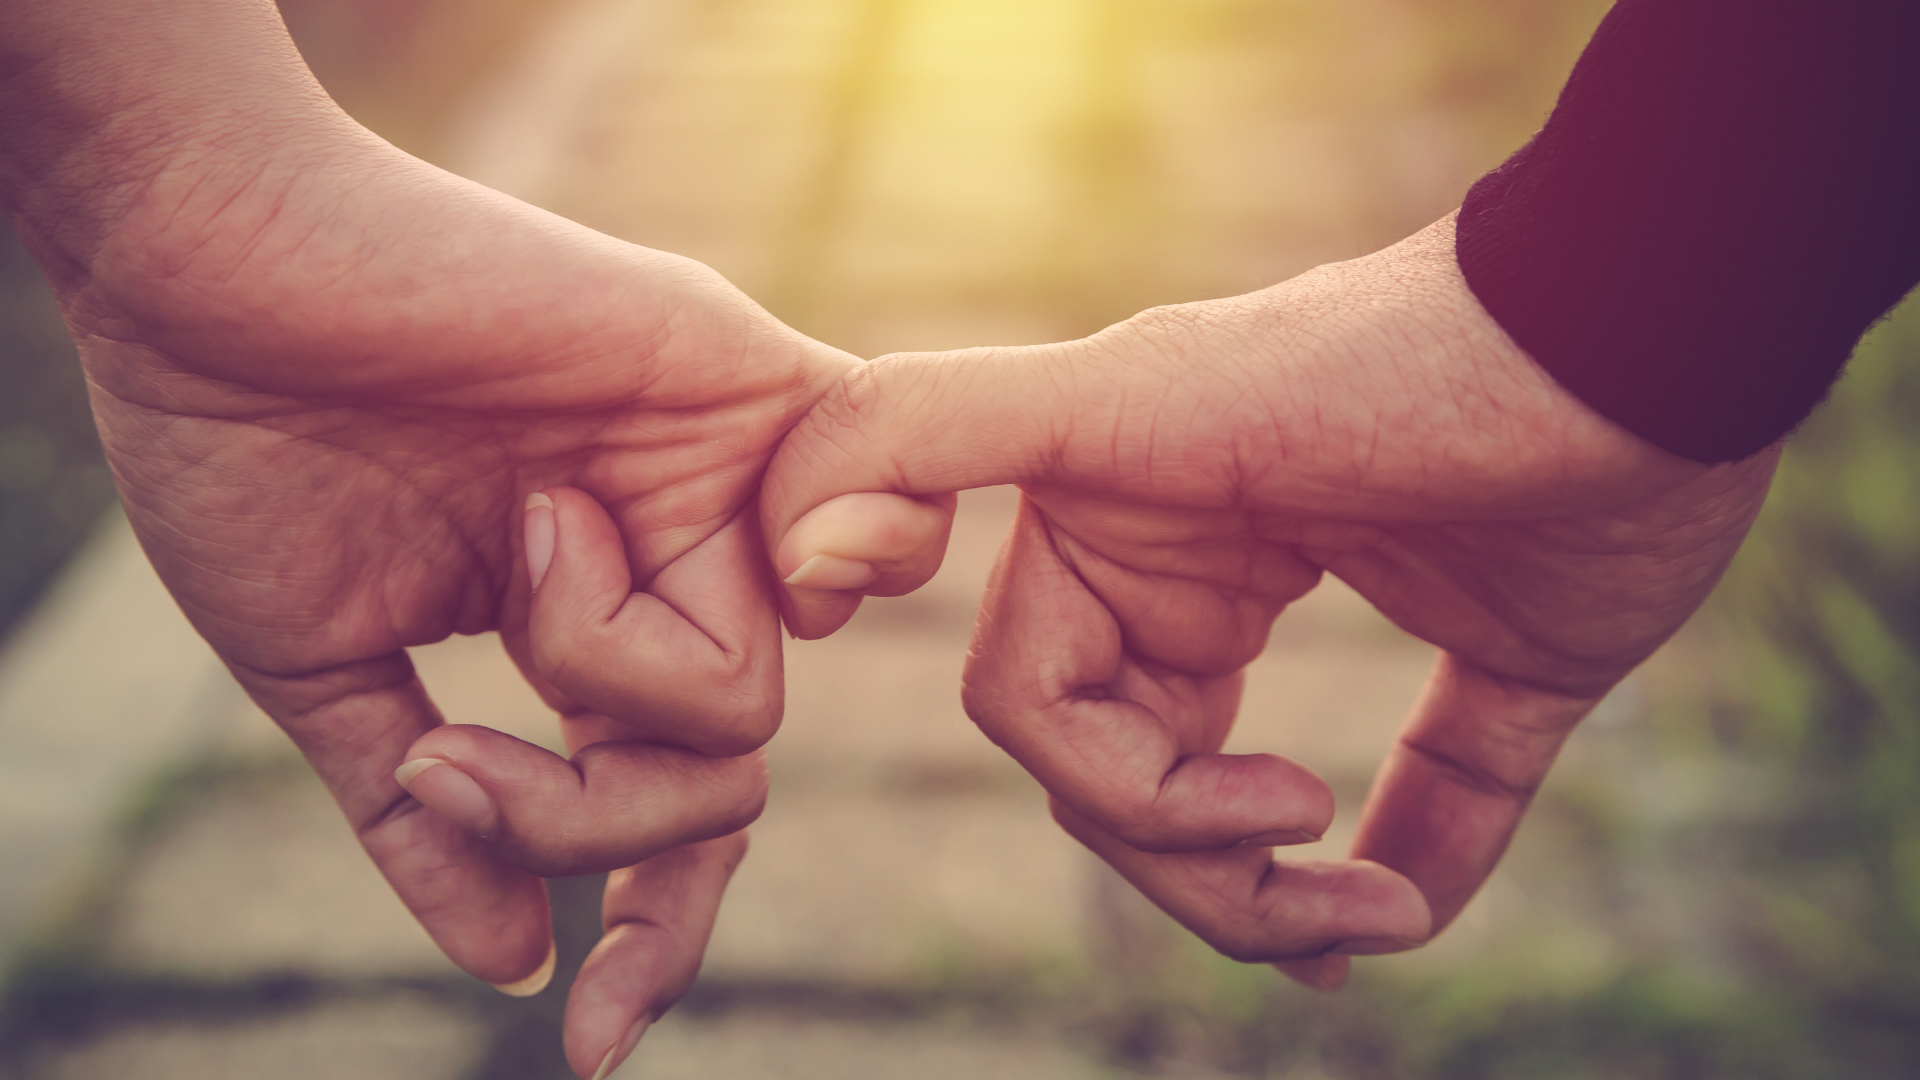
<point>1725,198</point>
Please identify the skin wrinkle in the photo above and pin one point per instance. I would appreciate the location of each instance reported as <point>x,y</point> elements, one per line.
<point>160,378</point>
<point>1495,598</point>
<point>898,474</point>
<point>1239,578</point>
<point>679,312</point>
<point>403,483</point>
<point>348,271</point>
<point>1316,419</point>
<point>841,412</point>
<point>1138,815</point>
<point>398,662</point>
<point>208,233</point>
<point>1262,900</point>
<point>1116,456</point>
<point>745,704</point>
<point>1508,617</point>
<point>402,806</point>
<point>200,180</point>
<point>1469,776</point>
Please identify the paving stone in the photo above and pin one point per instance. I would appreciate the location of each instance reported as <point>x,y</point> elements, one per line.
<point>102,686</point>
<point>264,877</point>
<point>868,889</point>
<point>776,1047</point>
<point>393,1039</point>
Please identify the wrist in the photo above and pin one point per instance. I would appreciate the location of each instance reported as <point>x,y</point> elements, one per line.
<point>119,113</point>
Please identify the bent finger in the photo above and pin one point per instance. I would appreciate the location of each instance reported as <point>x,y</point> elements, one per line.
<point>1254,909</point>
<point>613,805</point>
<point>692,659</point>
<point>1134,749</point>
<point>1456,785</point>
<point>864,544</point>
<point>354,724</point>
<point>658,917</point>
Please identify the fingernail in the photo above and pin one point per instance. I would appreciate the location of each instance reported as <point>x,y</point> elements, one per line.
<point>450,793</point>
<point>618,1052</point>
<point>540,530</point>
<point>1280,838</point>
<point>535,982</point>
<point>831,573</point>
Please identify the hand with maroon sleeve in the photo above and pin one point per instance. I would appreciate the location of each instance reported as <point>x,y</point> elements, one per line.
<point>1186,475</point>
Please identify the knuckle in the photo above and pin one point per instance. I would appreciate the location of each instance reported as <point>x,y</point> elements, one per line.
<point>1139,822</point>
<point>727,741</point>
<point>757,722</point>
<point>549,653</point>
<point>842,413</point>
<point>848,420</point>
<point>741,727</point>
<point>745,811</point>
<point>1168,329</point>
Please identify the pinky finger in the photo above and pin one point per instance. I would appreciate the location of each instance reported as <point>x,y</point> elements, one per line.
<point>658,916</point>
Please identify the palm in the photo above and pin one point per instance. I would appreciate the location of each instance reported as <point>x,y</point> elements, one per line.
<point>302,533</point>
<point>1498,595</point>
<point>374,406</point>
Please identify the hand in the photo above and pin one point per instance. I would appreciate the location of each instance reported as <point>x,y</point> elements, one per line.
<point>328,377</point>
<point>1190,472</point>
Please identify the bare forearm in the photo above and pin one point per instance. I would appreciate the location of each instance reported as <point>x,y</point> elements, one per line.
<point>106,104</point>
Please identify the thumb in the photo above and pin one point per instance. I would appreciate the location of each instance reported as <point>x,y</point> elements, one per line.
<point>858,499</point>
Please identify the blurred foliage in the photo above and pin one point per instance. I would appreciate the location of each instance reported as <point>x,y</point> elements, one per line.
<point>53,481</point>
<point>1825,606</point>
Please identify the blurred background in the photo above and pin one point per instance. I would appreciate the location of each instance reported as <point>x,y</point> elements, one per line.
<point>1722,879</point>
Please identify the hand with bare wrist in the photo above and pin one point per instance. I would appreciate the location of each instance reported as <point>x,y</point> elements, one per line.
<point>328,378</point>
